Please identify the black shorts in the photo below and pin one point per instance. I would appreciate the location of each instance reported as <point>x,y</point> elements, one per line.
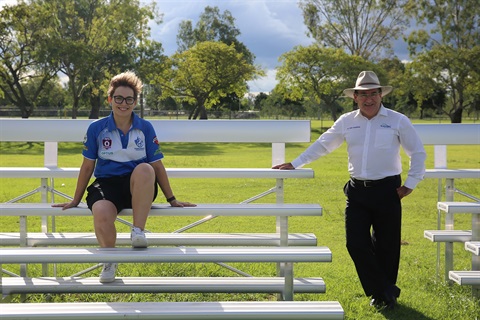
<point>115,189</point>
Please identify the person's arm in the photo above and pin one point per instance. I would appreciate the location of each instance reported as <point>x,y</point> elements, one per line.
<point>86,171</point>
<point>326,143</point>
<point>164,183</point>
<point>413,147</point>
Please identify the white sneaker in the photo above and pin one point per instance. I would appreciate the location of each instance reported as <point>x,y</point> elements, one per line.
<point>138,238</point>
<point>108,272</point>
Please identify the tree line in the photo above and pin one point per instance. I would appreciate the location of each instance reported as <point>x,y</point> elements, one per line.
<point>86,42</point>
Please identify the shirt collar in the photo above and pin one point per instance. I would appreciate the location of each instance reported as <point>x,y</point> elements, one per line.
<point>136,123</point>
<point>381,112</point>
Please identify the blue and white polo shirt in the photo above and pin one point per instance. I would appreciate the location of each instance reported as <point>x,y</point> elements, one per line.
<point>118,154</point>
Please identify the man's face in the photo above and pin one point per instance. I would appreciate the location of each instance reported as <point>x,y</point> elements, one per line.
<point>368,101</point>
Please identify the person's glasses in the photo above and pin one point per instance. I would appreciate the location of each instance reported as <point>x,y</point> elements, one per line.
<point>120,99</point>
<point>366,95</point>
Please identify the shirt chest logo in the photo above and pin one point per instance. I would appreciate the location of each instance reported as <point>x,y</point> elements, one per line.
<point>106,143</point>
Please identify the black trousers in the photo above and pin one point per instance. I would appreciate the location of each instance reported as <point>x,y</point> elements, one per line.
<point>373,219</point>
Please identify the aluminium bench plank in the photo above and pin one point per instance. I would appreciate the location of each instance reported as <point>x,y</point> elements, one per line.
<point>459,206</point>
<point>473,247</point>
<point>167,255</point>
<point>465,277</point>
<point>231,310</point>
<point>159,239</point>
<point>261,209</point>
<point>438,173</point>
<point>20,285</point>
<point>57,172</point>
<point>228,131</point>
<point>448,235</point>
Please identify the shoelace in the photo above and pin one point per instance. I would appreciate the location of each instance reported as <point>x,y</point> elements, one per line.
<point>137,230</point>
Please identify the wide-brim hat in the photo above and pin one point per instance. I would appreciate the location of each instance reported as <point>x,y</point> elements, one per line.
<point>367,80</point>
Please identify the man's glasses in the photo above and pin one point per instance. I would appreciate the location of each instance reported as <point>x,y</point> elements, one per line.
<point>120,99</point>
<point>366,95</point>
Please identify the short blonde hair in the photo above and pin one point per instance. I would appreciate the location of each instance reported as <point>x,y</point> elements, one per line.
<point>126,79</point>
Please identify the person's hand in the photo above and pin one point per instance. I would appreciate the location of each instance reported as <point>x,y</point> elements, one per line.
<point>284,166</point>
<point>176,203</point>
<point>66,205</point>
<point>403,192</point>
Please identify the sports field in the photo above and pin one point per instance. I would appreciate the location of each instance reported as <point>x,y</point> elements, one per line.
<point>424,295</point>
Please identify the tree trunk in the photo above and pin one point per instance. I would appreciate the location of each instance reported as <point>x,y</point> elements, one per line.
<point>333,114</point>
<point>194,114</point>
<point>26,111</point>
<point>75,107</point>
<point>456,116</point>
<point>95,110</point>
<point>203,113</point>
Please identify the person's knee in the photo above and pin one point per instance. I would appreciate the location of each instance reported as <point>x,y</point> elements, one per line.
<point>143,168</point>
<point>144,173</point>
<point>104,212</point>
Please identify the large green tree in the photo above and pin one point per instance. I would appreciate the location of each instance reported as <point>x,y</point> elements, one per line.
<point>319,75</point>
<point>446,52</point>
<point>364,28</point>
<point>212,26</point>
<point>205,73</point>
<point>24,58</point>
<point>94,39</point>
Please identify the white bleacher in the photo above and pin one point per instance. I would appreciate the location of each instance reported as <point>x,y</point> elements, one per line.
<point>442,136</point>
<point>19,285</point>
<point>287,255</point>
<point>465,278</point>
<point>281,248</point>
<point>259,310</point>
<point>39,239</point>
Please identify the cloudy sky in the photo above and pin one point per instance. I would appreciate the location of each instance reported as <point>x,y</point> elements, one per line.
<point>268,28</point>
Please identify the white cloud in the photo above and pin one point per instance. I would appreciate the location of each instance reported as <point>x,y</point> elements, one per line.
<point>264,84</point>
<point>7,2</point>
<point>268,28</point>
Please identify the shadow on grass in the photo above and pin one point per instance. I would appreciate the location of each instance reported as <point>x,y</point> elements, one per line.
<point>180,149</point>
<point>21,148</point>
<point>191,149</point>
<point>402,312</point>
<point>36,148</point>
<point>75,148</point>
<point>205,149</point>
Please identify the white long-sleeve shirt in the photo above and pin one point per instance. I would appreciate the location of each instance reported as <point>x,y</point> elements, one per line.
<point>373,146</point>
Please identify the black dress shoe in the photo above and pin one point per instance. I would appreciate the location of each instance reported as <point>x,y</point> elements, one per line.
<point>377,302</point>
<point>390,297</point>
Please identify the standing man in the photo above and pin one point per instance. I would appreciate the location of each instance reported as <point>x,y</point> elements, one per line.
<point>373,213</point>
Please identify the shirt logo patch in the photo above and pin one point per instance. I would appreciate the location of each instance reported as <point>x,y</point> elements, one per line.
<point>355,127</point>
<point>158,151</point>
<point>107,143</point>
<point>384,125</point>
<point>85,143</point>
<point>139,142</point>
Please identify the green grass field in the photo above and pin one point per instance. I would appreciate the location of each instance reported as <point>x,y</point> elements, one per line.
<point>424,295</point>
